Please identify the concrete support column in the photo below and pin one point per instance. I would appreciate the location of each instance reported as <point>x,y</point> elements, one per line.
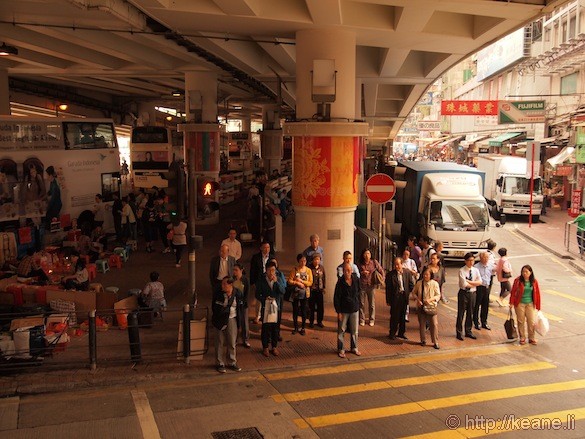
<point>4,93</point>
<point>201,97</point>
<point>246,124</point>
<point>271,140</point>
<point>326,155</point>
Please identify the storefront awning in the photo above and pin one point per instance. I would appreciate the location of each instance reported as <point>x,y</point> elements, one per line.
<point>548,140</point>
<point>506,138</point>
<point>449,141</point>
<point>561,157</point>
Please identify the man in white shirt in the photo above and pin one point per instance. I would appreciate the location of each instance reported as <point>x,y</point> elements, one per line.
<point>234,246</point>
<point>469,280</point>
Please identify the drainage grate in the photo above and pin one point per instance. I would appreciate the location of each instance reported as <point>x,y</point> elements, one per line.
<point>241,433</point>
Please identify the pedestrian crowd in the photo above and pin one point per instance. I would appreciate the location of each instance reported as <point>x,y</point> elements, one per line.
<point>417,279</point>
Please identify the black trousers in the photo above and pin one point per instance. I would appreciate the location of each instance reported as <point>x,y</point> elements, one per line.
<point>316,305</point>
<point>299,309</point>
<point>465,304</point>
<point>398,315</point>
<point>269,335</point>
<point>482,304</point>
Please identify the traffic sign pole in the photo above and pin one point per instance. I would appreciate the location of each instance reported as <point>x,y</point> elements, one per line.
<point>380,189</point>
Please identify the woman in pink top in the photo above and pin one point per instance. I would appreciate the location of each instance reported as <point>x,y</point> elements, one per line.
<point>504,274</point>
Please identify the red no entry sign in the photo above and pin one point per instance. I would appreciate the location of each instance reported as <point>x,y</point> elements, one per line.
<point>380,188</point>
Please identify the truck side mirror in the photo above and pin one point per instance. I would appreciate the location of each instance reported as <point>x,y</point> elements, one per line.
<point>499,181</point>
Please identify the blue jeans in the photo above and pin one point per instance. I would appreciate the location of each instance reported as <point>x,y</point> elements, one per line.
<point>350,319</point>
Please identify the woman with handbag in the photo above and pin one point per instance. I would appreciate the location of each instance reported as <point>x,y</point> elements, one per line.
<point>301,278</point>
<point>504,274</point>
<point>427,294</point>
<point>525,298</point>
<point>371,276</point>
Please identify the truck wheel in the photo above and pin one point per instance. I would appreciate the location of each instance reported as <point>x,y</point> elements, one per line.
<point>535,218</point>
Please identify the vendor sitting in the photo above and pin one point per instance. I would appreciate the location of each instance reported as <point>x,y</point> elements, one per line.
<point>79,280</point>
<point>86,248</point>
<point>28,267</point>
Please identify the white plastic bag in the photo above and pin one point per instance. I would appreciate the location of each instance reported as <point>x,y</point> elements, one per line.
<point>270,311</point>
<point>541,324</point>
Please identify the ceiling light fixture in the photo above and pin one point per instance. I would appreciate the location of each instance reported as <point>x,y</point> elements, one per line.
<point>169,118</point>
<point>6,50</point>
<point>63,107</point>
<point>177,93</point>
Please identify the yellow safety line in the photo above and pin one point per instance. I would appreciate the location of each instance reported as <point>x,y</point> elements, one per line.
<point>566,296</point>
<point>393,362</point>
<point>438,403</point>
<point>530,423</point>
<point>412,381</point>
<point>145,415</point>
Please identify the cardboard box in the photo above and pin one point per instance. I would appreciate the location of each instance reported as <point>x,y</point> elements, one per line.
<point>26,322</point>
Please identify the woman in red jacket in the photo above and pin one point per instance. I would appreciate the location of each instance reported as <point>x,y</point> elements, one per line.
<point>525,298</point>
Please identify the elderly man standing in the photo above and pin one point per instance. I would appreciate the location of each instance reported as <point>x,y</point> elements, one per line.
<point>221,266</point>
<point>226,306</point>
<point>234,246</point>
<point>346,300</point>
<point>313,248</point>
<point>399,284</point>
<point>482,294</point>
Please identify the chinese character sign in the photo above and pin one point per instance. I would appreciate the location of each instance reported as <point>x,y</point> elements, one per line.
<point>469,108</point>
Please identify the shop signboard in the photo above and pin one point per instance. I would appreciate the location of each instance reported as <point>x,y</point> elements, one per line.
<point>575,203</point>
<point>429,125</point>
<point>484,149</point>
<point>563,170</point>
<point>469,108</point>
<point>521,111</point>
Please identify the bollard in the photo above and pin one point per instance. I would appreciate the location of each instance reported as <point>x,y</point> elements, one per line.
<point>186,332</point>
<point>134,337</point>
<point>92,341</point>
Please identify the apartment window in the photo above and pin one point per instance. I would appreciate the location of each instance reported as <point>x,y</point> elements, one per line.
<point>569,84</point>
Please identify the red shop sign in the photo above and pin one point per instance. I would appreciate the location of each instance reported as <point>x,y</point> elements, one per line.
<point>575,203</point>
<point>564,170</point>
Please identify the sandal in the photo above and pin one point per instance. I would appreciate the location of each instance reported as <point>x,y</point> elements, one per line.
<point>533,342</point>
<point>341,354</point>
<point>522,341</point>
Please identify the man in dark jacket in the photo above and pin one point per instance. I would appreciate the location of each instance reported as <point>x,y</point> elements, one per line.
<point>399,284</point>
<point>347,305</point>
<point>257,270</point>
<point>226,306</point>
<point>269,292</point>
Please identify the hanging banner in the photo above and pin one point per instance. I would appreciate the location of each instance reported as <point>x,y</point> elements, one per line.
<point>521,111</point>
<point>575,203</point>
<point>469,108</point>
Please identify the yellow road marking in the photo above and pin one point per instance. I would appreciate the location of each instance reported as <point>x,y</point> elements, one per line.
<point>393,362</point>
<point>145,415</point>
<point>564,295</point>
<point>412,381</point>
<point>438,403</point>
<point>581,313</point>
<point>479,430</point>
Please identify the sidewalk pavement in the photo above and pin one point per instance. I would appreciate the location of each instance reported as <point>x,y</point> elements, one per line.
<point>317,347</point>
<point>554,235</point>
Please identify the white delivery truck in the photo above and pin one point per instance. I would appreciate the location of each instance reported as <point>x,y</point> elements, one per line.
<point>445,202</point>
<point>507,188</point>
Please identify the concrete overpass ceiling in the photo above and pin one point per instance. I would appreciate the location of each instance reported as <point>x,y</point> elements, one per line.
<point>132,50</point>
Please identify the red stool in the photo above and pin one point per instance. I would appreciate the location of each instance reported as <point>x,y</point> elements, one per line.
<point>115,261</point>
<point>91,271</point>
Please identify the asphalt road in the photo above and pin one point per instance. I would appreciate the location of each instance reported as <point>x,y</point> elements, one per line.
<point>471,391</point>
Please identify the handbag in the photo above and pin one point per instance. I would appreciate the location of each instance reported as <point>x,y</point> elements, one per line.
<point>288,293</point>
<point>506,274</point>
<point>510,327</point>
<point>270,311</point>
<point>430,310</point>
<point>379,279</point>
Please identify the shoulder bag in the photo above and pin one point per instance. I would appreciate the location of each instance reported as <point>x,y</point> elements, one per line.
<point>428,309</point>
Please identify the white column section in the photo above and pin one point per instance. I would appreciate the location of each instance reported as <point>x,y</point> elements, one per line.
<point>201,95</point>
<point>334,225</point>
<point>339,46</point>
<point>4,93</point>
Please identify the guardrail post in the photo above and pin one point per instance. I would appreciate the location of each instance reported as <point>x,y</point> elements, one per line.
<point>186,332</point>
<point>92,341</point>
<point>134,337</point>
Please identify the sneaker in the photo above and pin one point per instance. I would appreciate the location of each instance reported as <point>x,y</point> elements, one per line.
<point>362,323</point>
<point>341,354</point>
<point>221,369</point>
<point>235,367</point>
<point>371,323</point>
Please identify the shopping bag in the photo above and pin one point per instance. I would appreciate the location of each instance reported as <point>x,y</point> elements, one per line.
<point>510,327</point>
<point>541,324</point>
<point>270,311</point>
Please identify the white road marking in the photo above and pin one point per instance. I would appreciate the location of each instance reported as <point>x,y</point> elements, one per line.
<point>145,415</point>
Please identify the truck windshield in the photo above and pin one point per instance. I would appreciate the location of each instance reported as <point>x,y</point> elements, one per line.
<point>459,215</point>
<point>520,185</point>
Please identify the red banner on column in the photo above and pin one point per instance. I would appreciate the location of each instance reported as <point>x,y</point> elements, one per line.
<point>575,203</point>
<point>469,108</point>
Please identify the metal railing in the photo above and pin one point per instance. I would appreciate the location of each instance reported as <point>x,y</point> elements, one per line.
<point>574,239</point>
<point>136,337</point>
